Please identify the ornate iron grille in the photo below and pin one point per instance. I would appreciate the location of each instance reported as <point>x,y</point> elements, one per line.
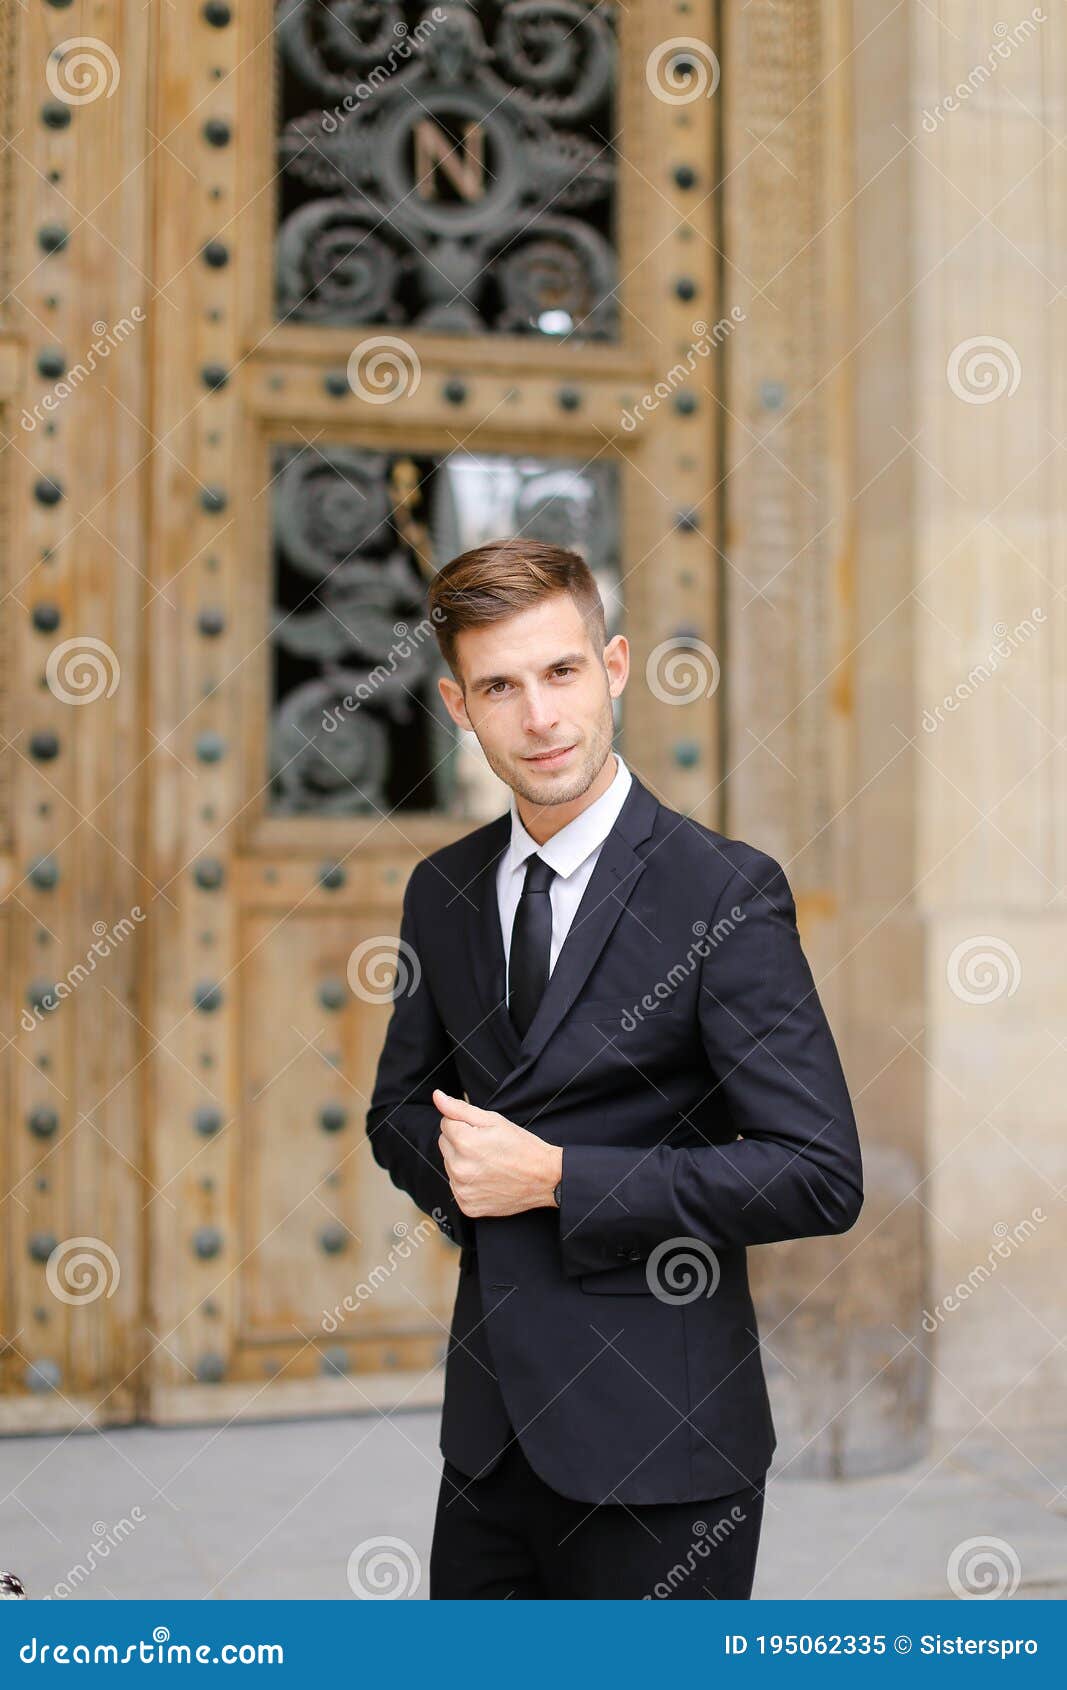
<point>448,167</point>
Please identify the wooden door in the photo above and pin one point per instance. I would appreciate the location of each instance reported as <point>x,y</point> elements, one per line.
<point>77,897</point>
<point>411,279</point>
<point>423,276</point>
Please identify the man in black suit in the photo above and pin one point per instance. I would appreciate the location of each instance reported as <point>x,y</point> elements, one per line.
<point>610,1072</point>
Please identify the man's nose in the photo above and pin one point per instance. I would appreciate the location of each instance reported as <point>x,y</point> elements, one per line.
<point>540,714</point>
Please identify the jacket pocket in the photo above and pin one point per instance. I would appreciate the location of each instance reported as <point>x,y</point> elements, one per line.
<point>614,1009</point>
<point>627,1278</point>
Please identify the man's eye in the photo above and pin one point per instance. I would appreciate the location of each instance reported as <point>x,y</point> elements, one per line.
<point>496,687</point>
<point>565,669</point>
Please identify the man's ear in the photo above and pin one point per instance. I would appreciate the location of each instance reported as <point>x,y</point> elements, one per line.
<point>452,694</point>
<point>617,663</point>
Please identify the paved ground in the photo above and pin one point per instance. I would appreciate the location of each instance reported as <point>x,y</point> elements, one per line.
<point>274,1511</point>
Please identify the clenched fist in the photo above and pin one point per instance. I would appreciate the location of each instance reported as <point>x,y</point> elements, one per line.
<point>494,1167</point>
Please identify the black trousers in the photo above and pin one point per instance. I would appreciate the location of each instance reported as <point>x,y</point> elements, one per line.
<point>510,1534</point>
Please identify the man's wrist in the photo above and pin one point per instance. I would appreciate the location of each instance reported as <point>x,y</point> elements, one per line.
<point>555,1177</point>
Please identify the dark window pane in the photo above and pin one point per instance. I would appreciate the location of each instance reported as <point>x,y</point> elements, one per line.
<point>358,725</point>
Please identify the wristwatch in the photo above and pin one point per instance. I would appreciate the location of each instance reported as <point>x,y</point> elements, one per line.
<point>557,1195</point>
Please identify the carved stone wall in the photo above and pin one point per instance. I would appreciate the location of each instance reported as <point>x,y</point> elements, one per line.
<point>813,557</point>
<point>989,187</point>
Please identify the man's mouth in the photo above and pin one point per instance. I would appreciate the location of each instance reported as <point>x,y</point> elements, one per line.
<point>549,759</point>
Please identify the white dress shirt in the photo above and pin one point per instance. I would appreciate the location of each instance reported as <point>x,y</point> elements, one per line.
<point>572,852</point>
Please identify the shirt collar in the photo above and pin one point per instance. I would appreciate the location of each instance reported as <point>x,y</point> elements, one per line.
<point>568,848</point>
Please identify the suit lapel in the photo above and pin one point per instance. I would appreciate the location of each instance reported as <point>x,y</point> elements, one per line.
<point>617,871</point>
<point>485,942</point>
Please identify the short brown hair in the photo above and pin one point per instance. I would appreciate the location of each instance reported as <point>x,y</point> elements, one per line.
<point>503,577</point>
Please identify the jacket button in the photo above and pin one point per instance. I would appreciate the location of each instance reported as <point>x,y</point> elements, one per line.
<point>634,1256</point>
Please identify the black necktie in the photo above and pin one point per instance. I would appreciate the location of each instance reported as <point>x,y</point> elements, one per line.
<point>531,944</point>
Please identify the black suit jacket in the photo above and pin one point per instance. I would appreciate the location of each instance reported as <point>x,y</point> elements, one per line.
<point>681,1057</point>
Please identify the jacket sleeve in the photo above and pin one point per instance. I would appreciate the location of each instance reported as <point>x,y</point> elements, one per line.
<point>795,1169</point>
<point>402,1123</point>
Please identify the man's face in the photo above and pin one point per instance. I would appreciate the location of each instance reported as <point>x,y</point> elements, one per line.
<point>537,693</point>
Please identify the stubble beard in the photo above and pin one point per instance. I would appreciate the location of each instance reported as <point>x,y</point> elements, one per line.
<point>546,792</point>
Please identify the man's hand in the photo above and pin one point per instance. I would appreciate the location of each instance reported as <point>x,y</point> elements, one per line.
<point>494,1167</point>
